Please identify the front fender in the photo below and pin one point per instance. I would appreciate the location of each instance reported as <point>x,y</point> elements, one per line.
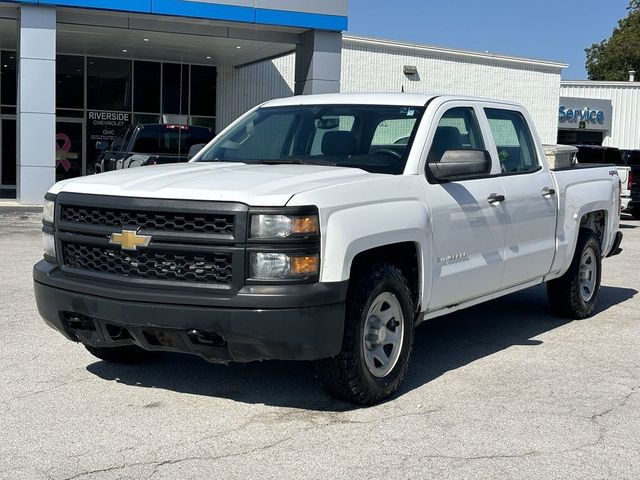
<point>360,228</point>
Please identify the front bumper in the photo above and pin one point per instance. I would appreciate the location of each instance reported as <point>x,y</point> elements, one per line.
<point>302,322</point>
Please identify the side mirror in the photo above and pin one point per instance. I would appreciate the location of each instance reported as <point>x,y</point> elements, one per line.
<point>460,164</point>
<point>102,145</point>
<point>193,151</point>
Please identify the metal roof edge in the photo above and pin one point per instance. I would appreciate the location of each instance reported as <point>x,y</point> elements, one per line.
<point>453,52</point>
<point>598,83</point>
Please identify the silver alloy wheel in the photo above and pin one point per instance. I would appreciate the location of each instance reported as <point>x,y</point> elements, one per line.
<point>588,274</point>
<point>383,334</point>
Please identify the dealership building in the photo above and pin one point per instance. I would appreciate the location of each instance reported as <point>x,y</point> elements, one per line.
<point>76,71</point>
<point>600,113</point>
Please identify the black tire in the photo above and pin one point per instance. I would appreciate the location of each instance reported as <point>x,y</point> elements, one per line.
<point>635,213</point>
<point>564,294</point>
<point>347,376</point>
<point>129,354</point>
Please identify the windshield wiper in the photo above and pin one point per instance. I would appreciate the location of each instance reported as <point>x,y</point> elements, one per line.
<point>295,161</point>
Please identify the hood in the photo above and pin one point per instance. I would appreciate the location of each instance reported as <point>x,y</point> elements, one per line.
<point>256,185</point>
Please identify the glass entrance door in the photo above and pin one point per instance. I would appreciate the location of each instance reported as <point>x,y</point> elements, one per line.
<point>8,154</point>
<point>70,157</point>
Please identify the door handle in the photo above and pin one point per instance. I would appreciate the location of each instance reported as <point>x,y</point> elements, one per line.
<point>548,192</point>
<point>495,198</point>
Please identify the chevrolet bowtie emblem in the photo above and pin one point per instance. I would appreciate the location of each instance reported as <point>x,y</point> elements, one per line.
<point>129,239</point>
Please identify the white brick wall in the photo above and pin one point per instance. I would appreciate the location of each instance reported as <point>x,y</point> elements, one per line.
<point>377,66</point>
<point>380,69</point>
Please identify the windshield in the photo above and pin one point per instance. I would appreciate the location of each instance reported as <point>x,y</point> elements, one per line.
<point>374,138</point>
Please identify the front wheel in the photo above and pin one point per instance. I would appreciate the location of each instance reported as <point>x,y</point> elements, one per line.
<point>377,341</point>
<point>574,295</point>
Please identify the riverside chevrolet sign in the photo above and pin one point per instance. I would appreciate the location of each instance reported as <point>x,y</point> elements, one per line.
<point>585,113</point>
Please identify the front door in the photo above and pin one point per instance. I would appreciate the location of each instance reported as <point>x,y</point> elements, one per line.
<point>531,201</point>
<point>467,217</point>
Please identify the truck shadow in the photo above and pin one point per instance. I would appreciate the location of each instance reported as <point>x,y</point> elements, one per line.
<point>441,345</point>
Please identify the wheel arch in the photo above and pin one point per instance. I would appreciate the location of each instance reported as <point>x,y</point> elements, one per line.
<point>395,230</point>
<point>595,219</point>
<point>404,255</point>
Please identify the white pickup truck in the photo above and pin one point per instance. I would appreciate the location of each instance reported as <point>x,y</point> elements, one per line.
<point>325,228</point>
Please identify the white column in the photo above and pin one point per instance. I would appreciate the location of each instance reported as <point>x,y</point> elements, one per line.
<point>318,62</point>
<point>36,134</point>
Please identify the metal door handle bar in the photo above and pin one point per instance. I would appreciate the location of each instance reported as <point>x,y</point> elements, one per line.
<point>495,198</point>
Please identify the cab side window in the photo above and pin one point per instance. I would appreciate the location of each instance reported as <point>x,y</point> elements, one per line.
<point>511,133</point>
<point>458,129</point>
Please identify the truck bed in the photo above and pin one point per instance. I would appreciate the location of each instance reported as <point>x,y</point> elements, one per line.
<point>580,189</point>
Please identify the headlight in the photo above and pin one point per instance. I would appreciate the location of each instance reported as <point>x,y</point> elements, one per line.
<point>48,210</point>
<point>283,226</point>
<point>280,266</point>
<point>49,245</point>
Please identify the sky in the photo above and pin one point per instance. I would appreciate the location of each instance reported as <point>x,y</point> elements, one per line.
<point>556,30</point>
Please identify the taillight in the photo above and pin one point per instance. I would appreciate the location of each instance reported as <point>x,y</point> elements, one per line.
<point>630,181</point>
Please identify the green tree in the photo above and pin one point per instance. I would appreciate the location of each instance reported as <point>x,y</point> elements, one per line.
<point>612,59</point>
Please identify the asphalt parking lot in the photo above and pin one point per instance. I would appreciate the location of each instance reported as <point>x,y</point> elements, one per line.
<point>503,390</point>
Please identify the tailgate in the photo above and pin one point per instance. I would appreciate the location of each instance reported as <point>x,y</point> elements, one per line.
<point>623,173</point>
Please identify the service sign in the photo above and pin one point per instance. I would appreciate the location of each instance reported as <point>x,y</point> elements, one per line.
<point>585,113</point>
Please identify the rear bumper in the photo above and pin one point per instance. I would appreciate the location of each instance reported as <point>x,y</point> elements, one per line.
<point>216,333</point>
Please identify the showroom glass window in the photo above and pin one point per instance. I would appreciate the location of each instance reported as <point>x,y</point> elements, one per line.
<point>70,82</point>
<point>203,91</point>
<point>109,85</point>
<point>175,89</point>
<point>146,95</point>
<point>9,78</point>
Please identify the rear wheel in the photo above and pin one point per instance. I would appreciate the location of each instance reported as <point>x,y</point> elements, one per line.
<point>129,354</point>
<point>378,338</point>
<point>574,295</point>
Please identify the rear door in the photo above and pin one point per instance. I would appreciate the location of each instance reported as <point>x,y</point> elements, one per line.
<point>530,197</point>
<point>468,226</point>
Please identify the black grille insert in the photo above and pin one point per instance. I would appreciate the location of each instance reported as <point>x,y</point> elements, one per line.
<point>202,268</point>
<point>217,224</point>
